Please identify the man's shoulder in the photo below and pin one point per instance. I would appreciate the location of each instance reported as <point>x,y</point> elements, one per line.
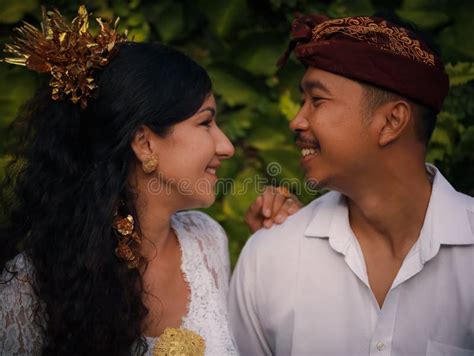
<point>286,235</point>
<point>465,200</point>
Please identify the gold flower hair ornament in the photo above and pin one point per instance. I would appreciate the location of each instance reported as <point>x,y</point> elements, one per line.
<point>69,52</point>
<point>128,240</point>
<point>179,342</point>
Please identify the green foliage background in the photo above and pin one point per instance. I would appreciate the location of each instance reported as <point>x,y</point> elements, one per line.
<point>239,42</point>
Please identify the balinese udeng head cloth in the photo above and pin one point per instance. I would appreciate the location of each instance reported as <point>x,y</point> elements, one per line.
<point>371,50</point>
<point>69,52</point>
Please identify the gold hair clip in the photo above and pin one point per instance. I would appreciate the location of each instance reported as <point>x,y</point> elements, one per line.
<point>69,52</point>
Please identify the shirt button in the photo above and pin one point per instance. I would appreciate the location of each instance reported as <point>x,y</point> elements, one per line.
<point>380,346</point>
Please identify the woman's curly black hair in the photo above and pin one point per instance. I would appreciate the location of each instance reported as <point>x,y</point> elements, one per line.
<point>61,190</point>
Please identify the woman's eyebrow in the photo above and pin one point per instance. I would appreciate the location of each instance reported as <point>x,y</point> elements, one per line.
<point>210,109</point>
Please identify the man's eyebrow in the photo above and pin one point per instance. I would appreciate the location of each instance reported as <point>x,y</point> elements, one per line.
<point>210,109</point>
<point>313,84</point>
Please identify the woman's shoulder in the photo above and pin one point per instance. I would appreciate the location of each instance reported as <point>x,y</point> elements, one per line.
<point>19,267</point>
<point>203,236</point>
<point>18,303</point>
<point>17,276</point>
<point>196,221</point>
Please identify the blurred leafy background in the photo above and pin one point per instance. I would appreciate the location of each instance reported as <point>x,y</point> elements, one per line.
<point>239,42</point>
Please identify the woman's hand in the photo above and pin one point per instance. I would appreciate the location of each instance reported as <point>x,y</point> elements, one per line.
<point>273,206</point>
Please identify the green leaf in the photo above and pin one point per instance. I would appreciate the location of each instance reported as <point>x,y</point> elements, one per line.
<point>12,11</point>
<point>440,140</point>
<point>288,107</point>
<point>266,138</point>
<point>140,33</point>
<point>215,211</point>
<point>285,159</point>
<point>230,167</point>
<point>4,160</point>
<point>455,40</point>
<point>16,86</point>
<point>460,73</point>
<point>106,13</point>
<point>425,20</point>
<point>224,16</point>
<point>244,192</point>
<point>233,90</point>
<point>346,8</point>
<point>170,24</point>
<point>236,123</point>
<point>258,53</point>
<point>435,154</point>
<point>121,8</point>
<point>138,27</point>
<point>238,233</point>
<point>466,144</point>
<point>423,5</point>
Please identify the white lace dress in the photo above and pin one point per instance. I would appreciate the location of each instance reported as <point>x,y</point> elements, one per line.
<point>205,265</point>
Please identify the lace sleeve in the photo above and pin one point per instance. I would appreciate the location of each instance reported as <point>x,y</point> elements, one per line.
<point>19,335</point>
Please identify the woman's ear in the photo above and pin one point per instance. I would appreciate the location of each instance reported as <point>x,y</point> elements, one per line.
<point>397,116</point>
<point>142,144</point>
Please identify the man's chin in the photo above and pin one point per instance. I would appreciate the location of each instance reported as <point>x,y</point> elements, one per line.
<point>313,184</point>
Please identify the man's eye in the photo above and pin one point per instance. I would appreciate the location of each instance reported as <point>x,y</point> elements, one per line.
<point>316,99</point>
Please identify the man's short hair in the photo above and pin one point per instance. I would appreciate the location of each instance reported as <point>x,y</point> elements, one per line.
<point>375,97</point>
<point>425,117</point>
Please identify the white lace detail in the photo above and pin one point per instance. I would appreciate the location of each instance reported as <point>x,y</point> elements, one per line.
<point>205,265</point>
<point>19,335</point>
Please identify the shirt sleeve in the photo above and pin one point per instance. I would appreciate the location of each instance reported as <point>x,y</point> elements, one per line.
<point>19,335</point>
<point>243,306</point>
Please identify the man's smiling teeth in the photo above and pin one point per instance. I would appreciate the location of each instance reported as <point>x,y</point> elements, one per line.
<point>211,170</point>
<point>308,151</point>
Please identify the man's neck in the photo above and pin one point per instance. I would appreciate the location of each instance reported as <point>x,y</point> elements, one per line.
<point>390,209</point>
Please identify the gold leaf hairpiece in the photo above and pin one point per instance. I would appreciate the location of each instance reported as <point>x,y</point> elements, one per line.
<point>69,52</point>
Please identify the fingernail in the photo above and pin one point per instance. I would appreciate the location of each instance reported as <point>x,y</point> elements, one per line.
<point>279,218</point>
<point>267,212</point>
<point>268,224</point>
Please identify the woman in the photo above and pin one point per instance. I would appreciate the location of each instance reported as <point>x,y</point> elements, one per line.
<point>122,140</point>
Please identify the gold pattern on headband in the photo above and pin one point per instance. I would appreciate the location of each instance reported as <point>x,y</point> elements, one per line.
<point>182,342</point>
<point>379,34</point>
<point>69,52</point>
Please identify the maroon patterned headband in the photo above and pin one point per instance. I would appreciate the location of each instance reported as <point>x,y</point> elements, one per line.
<point>371,50</point>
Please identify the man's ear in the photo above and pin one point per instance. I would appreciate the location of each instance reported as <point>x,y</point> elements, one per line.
<point>396,116</point>
<point>142,144</point>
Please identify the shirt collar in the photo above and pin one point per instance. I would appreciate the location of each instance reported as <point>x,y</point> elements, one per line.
<point>452,212</point>
<point>331,220</point>
<point>449,219</point>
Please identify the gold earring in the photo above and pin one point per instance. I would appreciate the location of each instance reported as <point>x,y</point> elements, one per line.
<point>128,240</point>
<point>150,164</point>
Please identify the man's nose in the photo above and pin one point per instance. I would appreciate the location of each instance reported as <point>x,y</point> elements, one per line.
<point>299,122</point>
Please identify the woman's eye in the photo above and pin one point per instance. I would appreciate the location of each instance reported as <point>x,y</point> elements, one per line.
<point>207,123</point>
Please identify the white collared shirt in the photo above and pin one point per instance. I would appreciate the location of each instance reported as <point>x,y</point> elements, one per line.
<point>301,288</point>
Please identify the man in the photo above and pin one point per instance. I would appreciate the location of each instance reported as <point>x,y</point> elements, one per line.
<point>382,264</point>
